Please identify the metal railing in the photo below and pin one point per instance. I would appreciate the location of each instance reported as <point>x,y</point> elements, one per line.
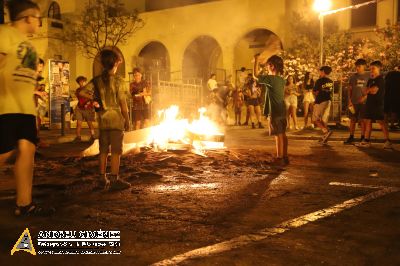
<point>189,97</point>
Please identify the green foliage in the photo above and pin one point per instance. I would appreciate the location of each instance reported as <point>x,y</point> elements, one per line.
<point>341,50</point>
<point>304,37</point>
<point>102,23</point>
<point>389,45</point>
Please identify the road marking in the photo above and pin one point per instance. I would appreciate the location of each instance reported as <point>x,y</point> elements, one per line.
<point>281,228</point>
<point>356,185</point>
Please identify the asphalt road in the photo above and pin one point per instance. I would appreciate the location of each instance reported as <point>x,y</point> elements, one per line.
<point>333,205</point>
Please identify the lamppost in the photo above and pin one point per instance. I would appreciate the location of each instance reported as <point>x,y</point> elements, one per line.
<point>321,6</point>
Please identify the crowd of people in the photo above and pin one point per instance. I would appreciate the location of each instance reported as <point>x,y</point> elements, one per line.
<point>371,97</point>
<point>139,102</point>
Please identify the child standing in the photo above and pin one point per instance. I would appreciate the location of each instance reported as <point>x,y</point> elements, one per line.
<point>109,95</point>
<point>84,111</point>
<point>323,90</point>
<point>238,101</point>
<point>18,75</point>
<point>253,93</point>
<point>275,86</point>
<point>308,99</point>
<point>291,95</point>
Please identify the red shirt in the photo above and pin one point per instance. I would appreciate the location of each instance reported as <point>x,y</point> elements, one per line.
<point>137,88</point>
<point>83,103</point>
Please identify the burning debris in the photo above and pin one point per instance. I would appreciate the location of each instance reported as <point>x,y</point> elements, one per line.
<point>178,134</point>
<point>172,134</point>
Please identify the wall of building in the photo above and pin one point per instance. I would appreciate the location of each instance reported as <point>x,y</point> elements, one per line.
<point>226,21</point>
<point>386,11</point>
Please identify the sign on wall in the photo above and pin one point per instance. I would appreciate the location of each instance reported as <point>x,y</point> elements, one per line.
<point>59,74</point>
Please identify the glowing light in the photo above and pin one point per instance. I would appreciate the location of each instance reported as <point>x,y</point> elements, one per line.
<point>173,130</point>
<point>322,5</point>
<point>210,186</point>
<point>204,126</point>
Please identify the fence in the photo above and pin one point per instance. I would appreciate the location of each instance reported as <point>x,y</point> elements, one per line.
<point>189,97</point>
<point>335,113</point>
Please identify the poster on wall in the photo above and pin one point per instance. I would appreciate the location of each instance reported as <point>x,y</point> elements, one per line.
<point>59,73</point>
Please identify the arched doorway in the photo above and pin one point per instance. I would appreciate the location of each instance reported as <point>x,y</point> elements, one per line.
<point>202,57</point>
<point>154,60</point>
<point>261,41</point>
<point>98,68</point>
<point>54,11</point>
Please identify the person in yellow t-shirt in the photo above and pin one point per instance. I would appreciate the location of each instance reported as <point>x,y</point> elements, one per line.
<point>18,134</point>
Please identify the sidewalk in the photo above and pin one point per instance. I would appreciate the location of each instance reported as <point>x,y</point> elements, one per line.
<point>342,134</point>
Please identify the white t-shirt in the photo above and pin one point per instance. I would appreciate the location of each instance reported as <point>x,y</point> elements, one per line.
<point>17,72</point>
<point>242,78</point>
<point>212,84</point>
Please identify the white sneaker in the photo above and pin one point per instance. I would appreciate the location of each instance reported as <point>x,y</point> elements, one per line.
<point>364,144</point>
<point>388,145</point>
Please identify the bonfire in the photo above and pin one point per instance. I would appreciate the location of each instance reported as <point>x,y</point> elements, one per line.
<point>175,133</point>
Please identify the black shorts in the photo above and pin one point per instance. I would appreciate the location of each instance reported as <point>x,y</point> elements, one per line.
<point>374,113</point>
<point>278,125</point>
<point>359,112</point>
<point>14,127</point>
<point>140,115</point>
<point>253,101</point>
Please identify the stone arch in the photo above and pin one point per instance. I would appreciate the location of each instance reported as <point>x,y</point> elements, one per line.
<point>98,68</point>
<point>54,11</point>
<point>203,56</point>
<point>253,41</point>
<point>154,58</point>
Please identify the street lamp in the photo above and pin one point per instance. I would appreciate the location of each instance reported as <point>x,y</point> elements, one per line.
<point>321,6</point>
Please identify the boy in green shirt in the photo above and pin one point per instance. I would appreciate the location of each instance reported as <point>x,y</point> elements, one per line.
<point>275,86</point>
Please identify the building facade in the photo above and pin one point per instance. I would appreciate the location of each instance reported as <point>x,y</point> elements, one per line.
<point>187,39</point>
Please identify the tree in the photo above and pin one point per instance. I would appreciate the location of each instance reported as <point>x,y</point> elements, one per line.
<point>303,54</point>
<point>341,49</point>
<point>389,45</point>
<point>102,24</point>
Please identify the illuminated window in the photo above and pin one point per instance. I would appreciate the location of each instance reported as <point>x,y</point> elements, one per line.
<point>364,16</point>
<point>54,11</point>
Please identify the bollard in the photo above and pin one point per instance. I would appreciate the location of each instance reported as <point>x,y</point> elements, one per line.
<point>62,119</point>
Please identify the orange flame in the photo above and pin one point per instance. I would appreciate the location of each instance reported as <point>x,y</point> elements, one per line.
<point>173,129</point>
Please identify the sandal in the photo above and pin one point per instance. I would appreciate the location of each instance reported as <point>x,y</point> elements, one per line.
<point>33,210</point>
